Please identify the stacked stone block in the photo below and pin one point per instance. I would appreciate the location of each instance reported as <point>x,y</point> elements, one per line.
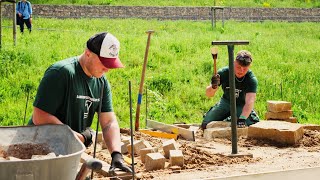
<point>280,111</point>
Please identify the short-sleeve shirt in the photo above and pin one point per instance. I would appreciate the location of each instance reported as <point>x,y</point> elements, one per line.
<point>66,92</point>
<point>246,84</point>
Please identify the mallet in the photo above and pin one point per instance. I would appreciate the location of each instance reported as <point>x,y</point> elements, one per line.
<point>214,52</point>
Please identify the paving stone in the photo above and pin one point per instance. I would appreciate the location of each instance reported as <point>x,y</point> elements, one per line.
<point>194,128</point>
<point>291,120</point>
<point>125,139</point>
<point>138,145</point>
<point>211,133</point>
<point>145,151</point>
<point>218,124</point>
<point>279,115</point>
<point>175,168</point>
<point>100,136</point>
<point>169,145</point>
<point>176,158</point>
<point>124,147</point>
<point>278,106</point>
<point>104,145</point>
<point>278,131</point>
<point>154,161</point>
<point>311,127</point>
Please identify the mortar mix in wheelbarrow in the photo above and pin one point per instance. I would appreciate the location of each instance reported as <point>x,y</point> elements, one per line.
<point>48,152</point>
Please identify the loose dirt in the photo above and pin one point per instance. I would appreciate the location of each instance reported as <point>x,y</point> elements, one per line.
<point>209,159</point>
<point>25,151</point>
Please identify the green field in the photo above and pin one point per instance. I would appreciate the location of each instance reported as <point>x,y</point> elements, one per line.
<point>179,68</point>
<point>229,3</point>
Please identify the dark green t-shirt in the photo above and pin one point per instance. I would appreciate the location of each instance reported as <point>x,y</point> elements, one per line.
<point>66,92</point>
<point>246,84</point>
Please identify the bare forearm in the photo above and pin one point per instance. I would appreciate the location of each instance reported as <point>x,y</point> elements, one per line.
<point>247,108</point>
<point>210,92</point>
<point>111,135</point>
<point>40,117</point>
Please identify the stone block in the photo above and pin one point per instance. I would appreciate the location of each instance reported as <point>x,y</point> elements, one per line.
<point>279,115</point>
<point>169,145</point>
<point>313,127</point>
<point>100,136</point>
<point>207,133</point>
<point>218,124</point>
<point>278,106</point>
<point>104,145</point>
<point>193,128</point>
<point>154,161</point>
<point>210,134</point>
<point>145,151</point>
<point>176,158</point>
<point>282,132</point>
<point>291,120</point>
<point>124,148</point>
<point>138,145</point>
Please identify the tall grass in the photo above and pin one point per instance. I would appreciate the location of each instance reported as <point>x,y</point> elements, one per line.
<point>179,67</point>
<point>230,3</point>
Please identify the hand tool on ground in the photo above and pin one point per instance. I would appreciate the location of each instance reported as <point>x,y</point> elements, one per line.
<point>91,164</point>
<point>137,123</point>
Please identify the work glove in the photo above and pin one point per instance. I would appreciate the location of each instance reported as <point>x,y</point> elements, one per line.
<point>241,123</point>
<point>117,162</point>
<point>215,81</point>
<point>87,135</point>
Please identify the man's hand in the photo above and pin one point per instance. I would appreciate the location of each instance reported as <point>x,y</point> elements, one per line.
<point>215,81</point>
<point>117,162</point>
<point>87,135</point>
<point>241,123</point>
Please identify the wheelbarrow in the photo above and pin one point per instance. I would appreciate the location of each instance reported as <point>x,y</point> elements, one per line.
<point>20,142</point>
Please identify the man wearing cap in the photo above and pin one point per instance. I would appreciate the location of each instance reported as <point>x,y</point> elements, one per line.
<point>72,90</point>
<point>246,88</point>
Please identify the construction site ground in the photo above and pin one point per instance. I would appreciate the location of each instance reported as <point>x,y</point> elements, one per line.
<point>209,159</point>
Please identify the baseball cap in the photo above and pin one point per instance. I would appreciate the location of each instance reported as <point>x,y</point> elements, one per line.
<point>244,58</point>
<point>107,47</point>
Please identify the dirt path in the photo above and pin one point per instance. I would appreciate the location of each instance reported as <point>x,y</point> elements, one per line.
<point>205,159</point>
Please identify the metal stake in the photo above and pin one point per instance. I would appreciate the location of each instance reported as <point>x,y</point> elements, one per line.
<point>233,110</point>
<point>131,131</point>
<point>97,128</point>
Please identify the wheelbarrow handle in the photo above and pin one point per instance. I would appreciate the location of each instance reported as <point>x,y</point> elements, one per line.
<point>91,164</point>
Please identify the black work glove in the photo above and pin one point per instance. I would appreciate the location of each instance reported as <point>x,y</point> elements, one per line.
<point>117,162</point>
<point>87,135</point>
<point>241,123</point>
<point>215,81</point>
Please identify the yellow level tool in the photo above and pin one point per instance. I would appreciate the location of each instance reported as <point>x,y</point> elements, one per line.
<point>159,134</point>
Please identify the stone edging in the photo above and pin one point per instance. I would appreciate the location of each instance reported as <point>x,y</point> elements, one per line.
<point>172,13</point>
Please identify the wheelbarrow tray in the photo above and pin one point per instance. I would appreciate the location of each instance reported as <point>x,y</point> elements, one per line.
<point>59,139</point>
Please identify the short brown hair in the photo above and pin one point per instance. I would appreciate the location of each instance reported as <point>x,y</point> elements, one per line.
<point>244,58</point>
